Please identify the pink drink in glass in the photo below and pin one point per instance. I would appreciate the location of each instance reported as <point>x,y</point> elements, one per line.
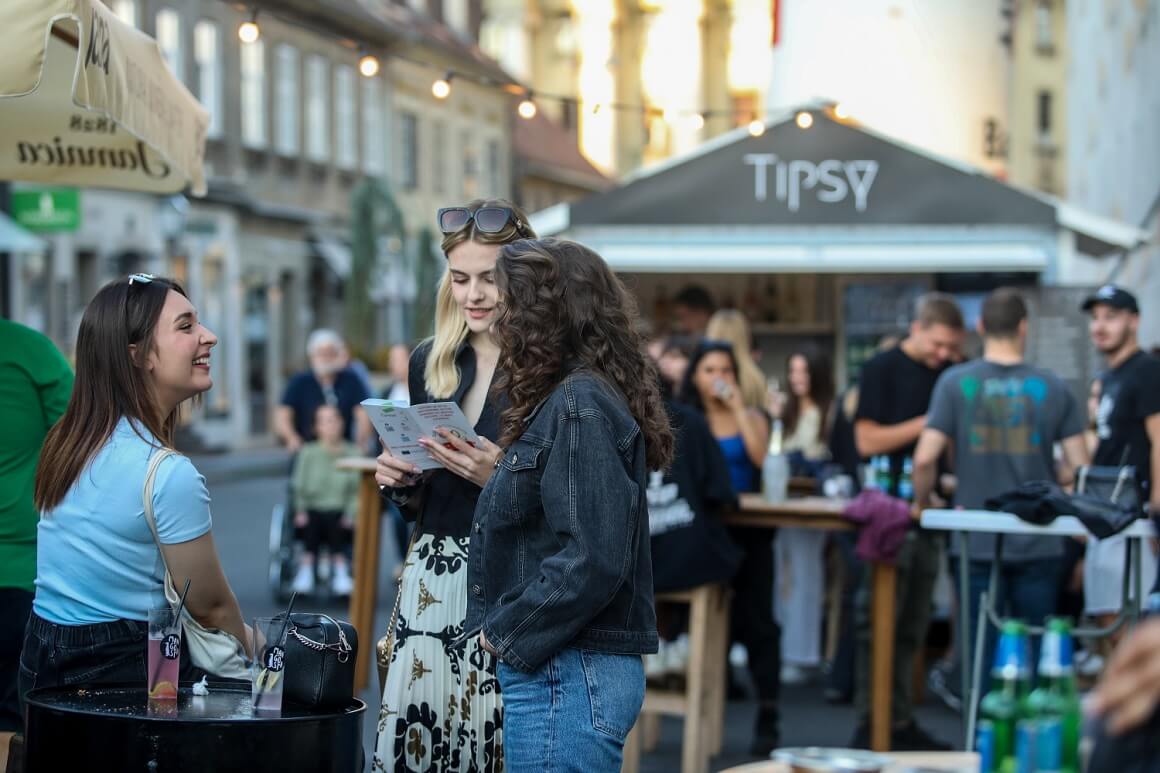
<point>163,662</point>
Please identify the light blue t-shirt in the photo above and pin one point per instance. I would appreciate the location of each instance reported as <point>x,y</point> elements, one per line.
<point>96,558</point>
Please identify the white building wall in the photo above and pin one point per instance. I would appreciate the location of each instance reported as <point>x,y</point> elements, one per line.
<point>929,73</point>
<point>1113,153</point>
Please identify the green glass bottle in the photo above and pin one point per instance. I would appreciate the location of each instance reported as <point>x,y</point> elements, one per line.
<point>1005,704</point>
<point>1053,706</point>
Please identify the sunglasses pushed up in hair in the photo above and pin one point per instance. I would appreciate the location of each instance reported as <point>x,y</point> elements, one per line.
<point>488,220</point>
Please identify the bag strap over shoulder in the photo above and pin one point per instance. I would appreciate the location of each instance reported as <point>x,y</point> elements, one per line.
<point>159,456</point>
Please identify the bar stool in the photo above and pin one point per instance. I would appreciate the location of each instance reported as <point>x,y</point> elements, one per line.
<point>702,702</point>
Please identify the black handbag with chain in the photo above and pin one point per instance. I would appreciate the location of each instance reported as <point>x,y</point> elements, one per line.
<point>320,657</point>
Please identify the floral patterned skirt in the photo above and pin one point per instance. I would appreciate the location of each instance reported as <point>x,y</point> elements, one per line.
<point>441,707</point>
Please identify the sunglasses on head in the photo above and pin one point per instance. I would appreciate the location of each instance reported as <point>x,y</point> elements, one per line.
<point>488,220</point>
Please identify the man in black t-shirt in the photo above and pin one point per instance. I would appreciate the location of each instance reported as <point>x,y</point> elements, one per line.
<point>329,381</point>
<point>1127,421</point>
<point>894,392</point>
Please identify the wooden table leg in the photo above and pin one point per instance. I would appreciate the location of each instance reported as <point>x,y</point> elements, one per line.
<point>363,598</point>
<point>882,622</point>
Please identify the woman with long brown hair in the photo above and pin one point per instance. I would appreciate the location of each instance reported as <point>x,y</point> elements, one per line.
<point>560,570</point>
<point>441,708</point>
<point>800,563</point>
<point>141,353</point>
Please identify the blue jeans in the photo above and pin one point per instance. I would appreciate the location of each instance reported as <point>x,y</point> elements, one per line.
<point>1028,591</point>
<point>572,714</point>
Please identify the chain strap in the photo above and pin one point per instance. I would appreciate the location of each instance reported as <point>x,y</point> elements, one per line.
<point>342,647</point>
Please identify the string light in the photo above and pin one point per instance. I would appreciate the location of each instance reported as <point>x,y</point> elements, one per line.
<point>804,120</point>
<point>441,88</point>
<point>756,128</point>
<point>527,108</point>
<point>368,65</point>
<point>248,31</point>
<point>697,121</point>
<point>840,112</point>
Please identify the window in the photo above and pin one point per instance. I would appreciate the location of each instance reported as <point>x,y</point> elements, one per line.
<point>456,16</point>
<point>439,157</point>
<point>345,142</point>
<point>169,41</point>
<point>470,165</point>
<point>207,63</point>
<point>254,125</point>
<point>1043,120</point>
<point>126,11</point>
<point>494,161</point>
<point>373,131</point>
<point>1044,27</point>
<point>409,158</point>
<point>317,108</point>
<point>287,132</point>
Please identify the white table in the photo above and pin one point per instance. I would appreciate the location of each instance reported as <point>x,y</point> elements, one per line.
<point>963,521</point>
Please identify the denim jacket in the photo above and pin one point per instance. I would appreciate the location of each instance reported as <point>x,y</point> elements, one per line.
<point>559,544</point>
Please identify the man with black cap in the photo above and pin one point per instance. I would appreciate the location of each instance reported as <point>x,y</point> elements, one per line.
<point>1128,426</point>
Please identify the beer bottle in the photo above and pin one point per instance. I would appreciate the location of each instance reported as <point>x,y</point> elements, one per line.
<point>1005,704</point>
<point>1053,706</point>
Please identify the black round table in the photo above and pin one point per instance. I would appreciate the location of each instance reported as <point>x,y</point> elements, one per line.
<point>117,729</point>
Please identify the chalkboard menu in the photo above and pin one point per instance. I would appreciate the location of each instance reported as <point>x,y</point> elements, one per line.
<point>872,311</point>
<point>1058,338</point>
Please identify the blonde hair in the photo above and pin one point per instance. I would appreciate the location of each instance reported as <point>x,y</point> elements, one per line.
<point>730,325</point>
<point>442,376</point>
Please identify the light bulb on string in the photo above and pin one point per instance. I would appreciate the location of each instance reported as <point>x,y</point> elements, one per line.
<point>696,121</point>
<point>841,112</point>
<point>368,65</point>
<point>248,31</point>
<point>804,120</point>
<point>756,127</point>
<point>441,88</point>
<point>527,108</point>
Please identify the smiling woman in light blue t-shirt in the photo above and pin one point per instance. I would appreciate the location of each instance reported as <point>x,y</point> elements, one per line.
<point>141,353</point>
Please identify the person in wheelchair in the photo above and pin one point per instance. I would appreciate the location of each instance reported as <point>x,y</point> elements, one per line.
<point>325,499</point>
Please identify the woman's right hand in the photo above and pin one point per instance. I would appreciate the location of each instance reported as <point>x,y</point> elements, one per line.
<point>394,472</point>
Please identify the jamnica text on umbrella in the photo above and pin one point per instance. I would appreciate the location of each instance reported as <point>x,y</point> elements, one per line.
<point>56,154</point>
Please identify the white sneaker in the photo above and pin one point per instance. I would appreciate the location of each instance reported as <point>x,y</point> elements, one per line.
<point>304,579</point>
<point>341,583</point>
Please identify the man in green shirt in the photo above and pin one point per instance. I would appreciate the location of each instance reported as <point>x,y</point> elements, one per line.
<point>35,385</point>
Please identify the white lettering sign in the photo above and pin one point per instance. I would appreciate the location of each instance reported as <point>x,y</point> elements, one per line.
<point>833,180</point>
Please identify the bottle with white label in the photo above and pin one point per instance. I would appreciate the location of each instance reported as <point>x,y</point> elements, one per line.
<point>775,469</point>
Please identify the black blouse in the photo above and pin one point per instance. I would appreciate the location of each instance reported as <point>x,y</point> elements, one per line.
<point>447,501</point>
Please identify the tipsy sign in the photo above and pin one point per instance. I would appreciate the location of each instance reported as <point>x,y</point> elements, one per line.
<point>831,181</point>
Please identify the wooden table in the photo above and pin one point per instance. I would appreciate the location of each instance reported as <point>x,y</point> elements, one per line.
<point>826,515</point>
<point>367,536</point>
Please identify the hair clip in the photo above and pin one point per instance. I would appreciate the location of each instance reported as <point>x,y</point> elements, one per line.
<point>142,278</point>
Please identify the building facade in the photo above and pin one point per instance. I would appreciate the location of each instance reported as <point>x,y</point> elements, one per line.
<point>297,129</point>
<point>1036,144</point>
<point>1113,115</point>
<point>639,81</point>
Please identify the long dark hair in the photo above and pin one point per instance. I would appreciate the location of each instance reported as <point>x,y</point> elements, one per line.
<point>689,394</point>
<point>110,383</point>
<point>821,390</point>
<point>563,308</point>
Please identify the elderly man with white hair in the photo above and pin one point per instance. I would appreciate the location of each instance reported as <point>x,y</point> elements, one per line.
<point>329,381</point>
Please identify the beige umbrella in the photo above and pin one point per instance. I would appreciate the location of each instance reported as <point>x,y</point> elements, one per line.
<point>87,100</point>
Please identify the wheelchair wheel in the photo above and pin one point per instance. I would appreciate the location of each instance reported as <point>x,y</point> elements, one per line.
<point>282,558</point>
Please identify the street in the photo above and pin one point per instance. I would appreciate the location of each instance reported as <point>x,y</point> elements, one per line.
<point>241,512</point>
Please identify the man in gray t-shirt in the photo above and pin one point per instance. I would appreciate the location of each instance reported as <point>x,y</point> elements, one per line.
<point>1000,418</point>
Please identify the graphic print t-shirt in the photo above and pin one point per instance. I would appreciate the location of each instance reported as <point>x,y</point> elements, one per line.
<point>1129,394</point>
<point>1003,421</point>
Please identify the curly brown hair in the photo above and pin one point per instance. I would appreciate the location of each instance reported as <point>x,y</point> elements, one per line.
<point>563,309</point>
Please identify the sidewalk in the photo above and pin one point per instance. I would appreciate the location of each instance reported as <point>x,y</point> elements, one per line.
<point>242,465</point>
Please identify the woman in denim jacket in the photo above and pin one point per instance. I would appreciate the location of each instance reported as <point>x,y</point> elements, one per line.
<point>559,571</point>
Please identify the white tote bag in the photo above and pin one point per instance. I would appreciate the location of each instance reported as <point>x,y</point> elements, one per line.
<point>212,650</point>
